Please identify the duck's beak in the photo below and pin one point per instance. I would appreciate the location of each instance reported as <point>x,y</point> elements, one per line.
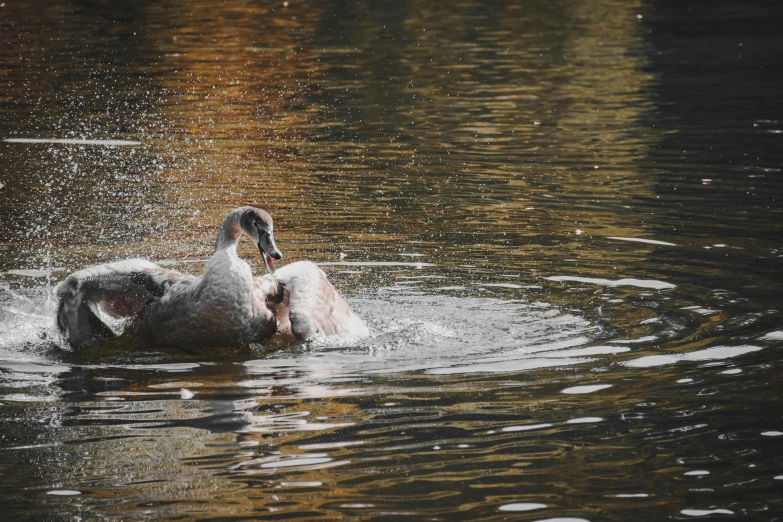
<point>268,248</point>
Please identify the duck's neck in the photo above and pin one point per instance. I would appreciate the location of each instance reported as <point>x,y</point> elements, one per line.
<point>226,274</point>
<point>230,231</point>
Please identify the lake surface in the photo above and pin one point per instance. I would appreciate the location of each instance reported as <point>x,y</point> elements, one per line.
<point>562,221</point>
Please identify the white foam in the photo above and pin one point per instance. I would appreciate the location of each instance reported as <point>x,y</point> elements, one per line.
<point>774,336</point>
<point>31,367</point>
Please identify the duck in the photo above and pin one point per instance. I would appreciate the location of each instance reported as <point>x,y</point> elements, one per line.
<point>226,306</point>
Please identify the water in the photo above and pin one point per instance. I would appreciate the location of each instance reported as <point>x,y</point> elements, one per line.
<point>562,223</point>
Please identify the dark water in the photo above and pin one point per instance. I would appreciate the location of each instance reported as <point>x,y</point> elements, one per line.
<point>562,222</point>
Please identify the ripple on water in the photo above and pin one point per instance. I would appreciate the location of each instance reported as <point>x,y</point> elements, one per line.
<point>528,427</point>
<point>641,240</point>
<point>640,283</point>
<point>482,170</point>
<point>439,334</point>
<point>562,519</point>
<point>521,506</point>
<point>645,339</point>
<point>592,350</point>
<point>584,420</point>
<point>444,335</point>
<point>576,390</point>
<point>297,462</point>
<point>705,512</point>
<point>164,367</point>
<point>331,445</point>
<point>716,352</point>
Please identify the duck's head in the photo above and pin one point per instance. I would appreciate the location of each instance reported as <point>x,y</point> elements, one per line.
<point>257,224</point>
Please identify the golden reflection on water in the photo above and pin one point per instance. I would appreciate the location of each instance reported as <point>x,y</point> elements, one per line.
<point>399,133</point>
<point>443,449</point>
<point>477,137</point>
<point>446,125</point>
<point>391,135</point>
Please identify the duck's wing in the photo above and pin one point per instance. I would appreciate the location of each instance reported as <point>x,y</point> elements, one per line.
<point>312,304</point>
<point>96,303</point>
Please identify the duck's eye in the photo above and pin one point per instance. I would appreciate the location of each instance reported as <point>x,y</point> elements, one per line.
<point>261,231</point>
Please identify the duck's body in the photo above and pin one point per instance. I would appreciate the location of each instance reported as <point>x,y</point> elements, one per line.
<point>223,307</point>
<point>226,306</point>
